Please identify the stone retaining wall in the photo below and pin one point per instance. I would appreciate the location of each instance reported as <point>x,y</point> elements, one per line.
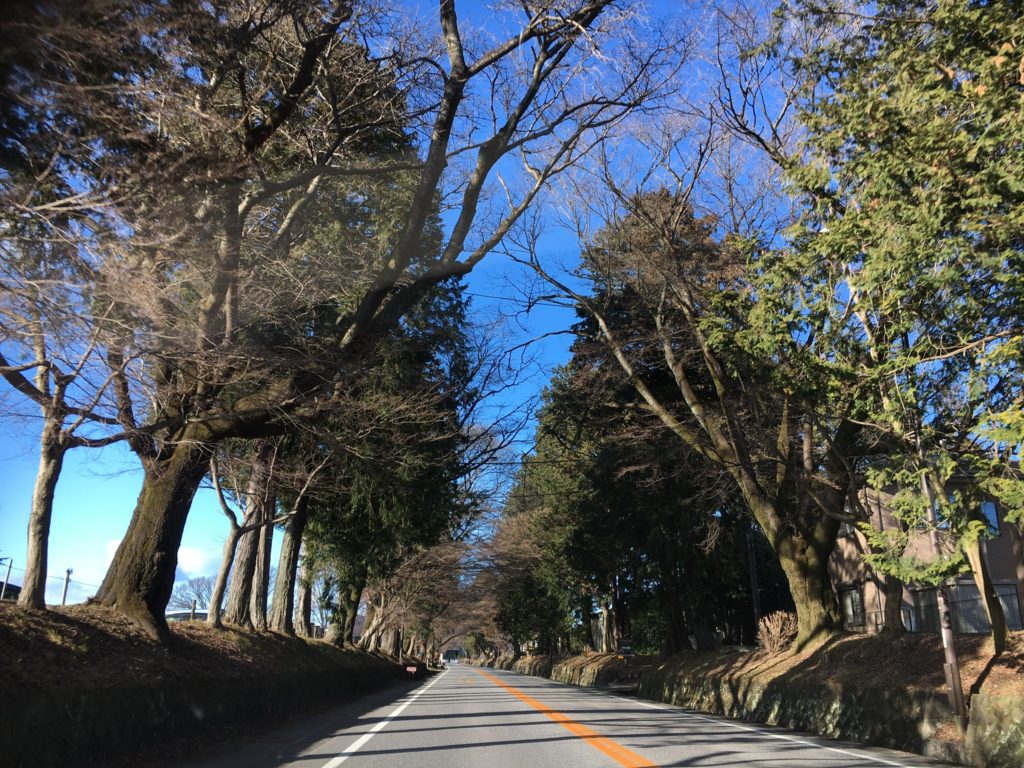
<point>995,735</point>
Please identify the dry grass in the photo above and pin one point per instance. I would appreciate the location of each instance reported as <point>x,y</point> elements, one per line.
<point>875,661</point>
<point>82,647</point>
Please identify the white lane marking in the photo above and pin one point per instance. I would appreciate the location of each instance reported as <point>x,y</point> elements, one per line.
<point>361,741</point>
<point>781,736</point>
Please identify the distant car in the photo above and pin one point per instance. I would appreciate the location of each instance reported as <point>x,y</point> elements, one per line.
<point>185,616</point>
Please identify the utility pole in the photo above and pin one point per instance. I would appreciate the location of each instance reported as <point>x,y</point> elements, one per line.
<point>951,667</point>
<point>67,580</point>
<point>7,578</point>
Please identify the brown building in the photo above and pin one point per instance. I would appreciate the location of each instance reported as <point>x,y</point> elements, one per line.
<point>861,592</point>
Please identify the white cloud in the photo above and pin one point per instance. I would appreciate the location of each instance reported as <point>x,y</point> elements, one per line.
<point>193,561</point>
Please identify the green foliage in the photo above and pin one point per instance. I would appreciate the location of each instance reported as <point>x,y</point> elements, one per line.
<point>913,241</point>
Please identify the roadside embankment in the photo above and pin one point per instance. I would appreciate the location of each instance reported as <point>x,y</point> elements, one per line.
<point>81,684</point>
<point>873,690</point>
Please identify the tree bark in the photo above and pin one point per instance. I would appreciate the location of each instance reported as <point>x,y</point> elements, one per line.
<point>304,609</point>
<point>607,636</point>
<point>618,616</point>
<point>260,591</point>
<point>892,621</point>
<point>677,634</point>
<point>51,458</point>
<point>238,609</point>
<point>587,615</point>
<point>213,618</point>
<point>141,576</point>
<point>805,563</point>
<point>1017,532</point>
<point>349,597</point>
<point>283,604</point>
<point>375,628</point>
<point>989,597</point>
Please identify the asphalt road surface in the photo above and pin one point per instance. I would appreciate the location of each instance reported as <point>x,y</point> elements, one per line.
<point>483,718</point>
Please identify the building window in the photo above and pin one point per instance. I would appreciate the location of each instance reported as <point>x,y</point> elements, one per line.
<point>991,515</point>
<point>852,602</point>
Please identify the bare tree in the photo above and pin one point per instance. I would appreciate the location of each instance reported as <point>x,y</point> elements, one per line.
<point>197,591</point>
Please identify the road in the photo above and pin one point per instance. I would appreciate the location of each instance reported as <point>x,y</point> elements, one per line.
<point>482,718</point>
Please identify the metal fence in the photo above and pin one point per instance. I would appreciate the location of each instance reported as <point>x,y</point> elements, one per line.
<point>967,608</point>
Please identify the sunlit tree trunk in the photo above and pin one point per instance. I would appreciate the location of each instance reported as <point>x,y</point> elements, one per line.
<point>892,620</point>
<point>283,603</point>
<point>257,496</point>
<point>52,449</point>
<point>260,591</point>
<point>213,618</point>
<point>304,607</point>
<point>987,590</point>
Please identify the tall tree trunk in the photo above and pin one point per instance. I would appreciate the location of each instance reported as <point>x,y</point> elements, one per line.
<point>587,616</point>
<point>1018,550</point>
<point>257,491</point>
<point>304,608</point>
<point>51,458</point>
<point>237,609</point>
<point>607,636</point>
<point>677,634</point>
<point>376,621</point>
<point>803,548</point>
<point>141,575</point>
<point>987,590</point>
<point>350,594</point>
<point>806,566</point>
<point>213,618</point>
<point>618,616</point>
<point>283,604</point>
<point>260,591</point>
<point>892,620</point>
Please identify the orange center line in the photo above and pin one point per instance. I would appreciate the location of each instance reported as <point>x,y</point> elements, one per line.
<point>624,757</point>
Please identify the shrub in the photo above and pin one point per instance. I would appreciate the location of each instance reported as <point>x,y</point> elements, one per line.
<point>776,631</point>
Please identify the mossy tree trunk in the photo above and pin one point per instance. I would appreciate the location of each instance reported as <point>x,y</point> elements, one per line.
<point>804,560</point>
<point>141,575</point>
